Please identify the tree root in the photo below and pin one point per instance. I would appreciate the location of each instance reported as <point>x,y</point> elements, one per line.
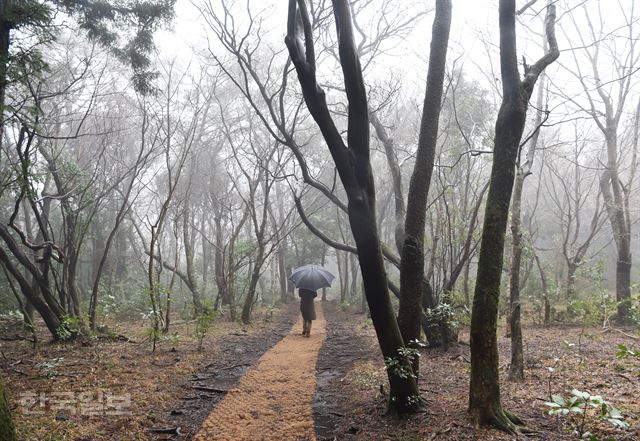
<point>396,409</point>
<point>503,420</point>
<point>515,376</point>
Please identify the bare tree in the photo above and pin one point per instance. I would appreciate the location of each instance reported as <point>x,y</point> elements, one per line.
<point>570,188</point>
<point>179,134</point>
<point>606,99</point>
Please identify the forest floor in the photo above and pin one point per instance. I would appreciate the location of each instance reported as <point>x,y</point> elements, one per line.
<point>120,390</point>
<point>350,400</point>
<point>258,382</point>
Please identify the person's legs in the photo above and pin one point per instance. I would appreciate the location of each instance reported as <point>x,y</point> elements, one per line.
<point>309,327</point>
<point>304,326</point>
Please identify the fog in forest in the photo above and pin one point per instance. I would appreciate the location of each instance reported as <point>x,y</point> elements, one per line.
<point>466,170</point>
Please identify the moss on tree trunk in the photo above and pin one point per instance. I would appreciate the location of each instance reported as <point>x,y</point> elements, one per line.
<point>7,431</point>
<point>485,406</point>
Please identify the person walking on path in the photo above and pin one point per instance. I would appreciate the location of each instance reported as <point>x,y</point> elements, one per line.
<point>307,309</point>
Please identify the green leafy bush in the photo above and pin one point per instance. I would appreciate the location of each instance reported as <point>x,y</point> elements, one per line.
<point>344,306</point>
<point>69,328</point>
<point>204,321</point>
<point>625,352</point>
<point>584,409</point>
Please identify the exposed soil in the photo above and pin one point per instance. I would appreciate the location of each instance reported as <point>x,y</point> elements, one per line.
<point>274,399</point>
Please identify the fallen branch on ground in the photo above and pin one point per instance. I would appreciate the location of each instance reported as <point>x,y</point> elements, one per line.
<point>211,389</point>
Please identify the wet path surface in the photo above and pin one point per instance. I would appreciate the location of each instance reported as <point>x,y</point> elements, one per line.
<point>238,352</point>
<point>341,349</point>
<point>274,399</point>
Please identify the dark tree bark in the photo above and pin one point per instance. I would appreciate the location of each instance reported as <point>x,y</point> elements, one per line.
<point>354,168</point>
<point>485,405</point>
<point>412,263</point>
<point>7,431</point>
<point>247,307</point>
<point>619,218</point>
<point>47,306</point>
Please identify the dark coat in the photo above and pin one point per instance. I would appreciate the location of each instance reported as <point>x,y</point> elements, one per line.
<point>307,308</point>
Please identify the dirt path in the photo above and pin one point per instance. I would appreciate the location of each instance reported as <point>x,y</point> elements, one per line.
<point>274,399</point>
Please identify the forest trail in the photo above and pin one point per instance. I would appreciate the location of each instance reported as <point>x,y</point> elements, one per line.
<point>274,399</point>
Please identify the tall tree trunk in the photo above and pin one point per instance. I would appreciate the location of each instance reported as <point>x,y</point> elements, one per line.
<point>7,431</point>
<point>570,292</point>
<point>352,161</point>
<point>218,267</point>
<point>206,260</point>
<point>281,253</point>
<point>253,283</point>
<point>545,289</point>
<point>172,281</point>
<point>412,263</point>
<point>189,252</point>
<point>516,369</point>
<point>282,272</point>
<point>324,290</point>
<point>613,198</point>
<point>396,179</point>
<point>485,405</point>
<point>342,273</point>
<point>465,283</point>
<point>353,276</point>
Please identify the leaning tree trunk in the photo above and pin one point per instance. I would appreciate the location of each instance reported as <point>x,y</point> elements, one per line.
<point>412,263</point>
<point>352,161</point>
<point>485,405</point>
<point>38,293</point>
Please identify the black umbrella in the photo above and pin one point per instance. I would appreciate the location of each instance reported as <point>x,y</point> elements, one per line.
<point>311,277</point>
